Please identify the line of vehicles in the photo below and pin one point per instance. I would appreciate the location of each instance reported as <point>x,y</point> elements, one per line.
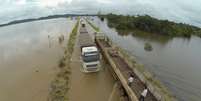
<point>90,55</point>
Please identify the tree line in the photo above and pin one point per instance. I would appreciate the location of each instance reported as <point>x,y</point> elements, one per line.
<point>149,24</point>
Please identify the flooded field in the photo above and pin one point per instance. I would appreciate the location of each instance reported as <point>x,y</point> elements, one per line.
<point>29,55</point>
<point>175,61</point>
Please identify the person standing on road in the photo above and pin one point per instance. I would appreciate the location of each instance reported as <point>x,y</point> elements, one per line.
<point>130,79</point>
<point>143,94</point>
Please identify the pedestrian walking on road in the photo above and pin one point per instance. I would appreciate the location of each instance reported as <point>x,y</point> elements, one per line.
<point>130,79</point>
<point>143,94</point>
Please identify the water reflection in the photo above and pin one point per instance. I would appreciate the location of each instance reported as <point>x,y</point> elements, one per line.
<point>149,37</point>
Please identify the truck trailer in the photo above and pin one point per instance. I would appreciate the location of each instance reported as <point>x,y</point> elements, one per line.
<point>90,55</point>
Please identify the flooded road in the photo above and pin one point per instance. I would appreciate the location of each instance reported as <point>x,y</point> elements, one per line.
<point>29,55</point>
<point>89,86</point>
<point>175,61</point>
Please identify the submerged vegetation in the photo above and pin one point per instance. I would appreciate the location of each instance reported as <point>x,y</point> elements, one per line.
<point>60,85</point>
<point>152,25</point>
<point>148,47</point>
<point>62,62</point>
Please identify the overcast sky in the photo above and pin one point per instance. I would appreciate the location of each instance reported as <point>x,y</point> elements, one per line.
<point>188,11</point>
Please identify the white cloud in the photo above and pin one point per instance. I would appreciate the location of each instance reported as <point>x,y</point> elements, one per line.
<point>105,1</point>
<point>52,3</point>
<point>20,2</point>
<point>187,11</point>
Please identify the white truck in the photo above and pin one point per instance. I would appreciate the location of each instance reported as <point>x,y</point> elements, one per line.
<point>90,55</point>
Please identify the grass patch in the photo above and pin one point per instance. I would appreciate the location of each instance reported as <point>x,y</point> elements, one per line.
<point>60,85</point>
<point>93,26</point>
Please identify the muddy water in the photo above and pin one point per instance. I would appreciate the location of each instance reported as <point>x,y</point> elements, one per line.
<point>175,61</point>
<point>29,58</point>
<point>92,86</point>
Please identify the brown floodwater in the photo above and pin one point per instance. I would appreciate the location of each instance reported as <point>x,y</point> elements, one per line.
<point>91,86</point>
<point>29,55</point>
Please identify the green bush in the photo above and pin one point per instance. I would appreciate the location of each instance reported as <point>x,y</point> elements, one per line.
<point>148,47</point>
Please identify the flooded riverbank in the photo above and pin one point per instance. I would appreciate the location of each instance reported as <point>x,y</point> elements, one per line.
<point>175,61</point>
<point>29,58</point>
